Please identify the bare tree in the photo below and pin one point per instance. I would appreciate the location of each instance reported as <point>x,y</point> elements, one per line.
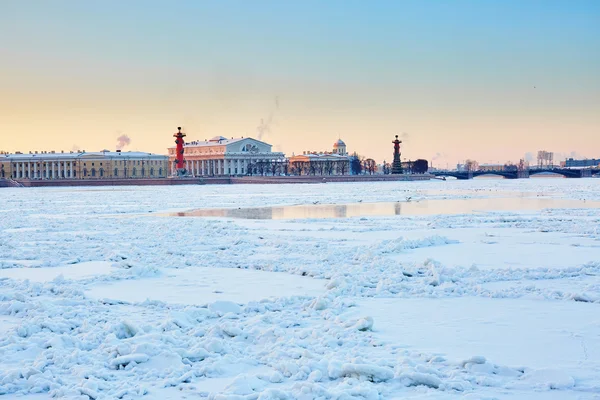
<point>319,167</point>
<point>342,167</point>
<point>387,168</point>
<point>300,168</point>
<point>261,167</point>
<point>329,165</point>
<point>286,167</point>
<point>370,166</point>
<point>275,167</point>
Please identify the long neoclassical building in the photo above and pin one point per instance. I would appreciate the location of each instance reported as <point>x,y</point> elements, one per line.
<point>83,165</point>
<point>221,156</point>
<point>335,162</point>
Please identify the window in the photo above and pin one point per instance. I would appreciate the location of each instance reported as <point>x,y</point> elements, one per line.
<point>116,172</point>
<point>84,171</point>
<point>93,171</point>
<point>101,172</point>
<point>133,172</point>
<point>143,172</point>
<point>160,172</point>
<point>151,171</point>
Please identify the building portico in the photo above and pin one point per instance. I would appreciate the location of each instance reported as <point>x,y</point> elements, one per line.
<point>226,157</point>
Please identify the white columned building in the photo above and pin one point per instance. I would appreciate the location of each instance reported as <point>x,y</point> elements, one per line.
<point>220,156</point>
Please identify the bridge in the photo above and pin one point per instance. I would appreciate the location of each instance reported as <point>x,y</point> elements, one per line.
<point>515,174</point>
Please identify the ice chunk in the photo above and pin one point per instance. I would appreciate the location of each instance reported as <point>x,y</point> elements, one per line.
<point>374,373</point>
<point>125,360</point>
<point>222,307</point>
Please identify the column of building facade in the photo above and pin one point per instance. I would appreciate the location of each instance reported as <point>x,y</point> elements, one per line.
<point>70,169</point>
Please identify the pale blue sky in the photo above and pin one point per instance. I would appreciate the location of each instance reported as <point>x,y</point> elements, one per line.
<point>458,76</point>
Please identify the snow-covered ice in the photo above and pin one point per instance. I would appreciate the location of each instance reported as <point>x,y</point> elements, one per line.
<point>200,286</point>
<point>489,290</point>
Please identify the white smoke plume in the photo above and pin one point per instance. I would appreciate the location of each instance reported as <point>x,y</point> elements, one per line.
<point>123,141</point>
<point>264,128</point>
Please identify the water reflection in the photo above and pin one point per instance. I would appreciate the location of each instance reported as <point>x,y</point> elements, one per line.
<point>426,207</point>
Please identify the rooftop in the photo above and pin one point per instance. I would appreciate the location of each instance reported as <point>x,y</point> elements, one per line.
<point>218,141</point>
<point>78,154</point>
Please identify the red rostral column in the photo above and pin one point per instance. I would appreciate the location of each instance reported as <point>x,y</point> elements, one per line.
<point>179,154</point>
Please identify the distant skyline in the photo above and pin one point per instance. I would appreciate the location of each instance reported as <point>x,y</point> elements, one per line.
<point>489,80</point>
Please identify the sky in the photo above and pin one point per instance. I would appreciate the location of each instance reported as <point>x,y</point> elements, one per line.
<point>487,80</point>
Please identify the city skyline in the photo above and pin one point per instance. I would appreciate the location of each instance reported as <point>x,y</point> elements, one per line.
<point>459,80</point>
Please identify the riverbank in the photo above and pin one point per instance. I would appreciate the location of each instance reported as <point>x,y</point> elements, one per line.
<point>215,180</point>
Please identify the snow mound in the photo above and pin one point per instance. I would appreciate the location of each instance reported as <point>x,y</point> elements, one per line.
<point>371,372</point>
<point>548,378</point>
<point>223,307</point>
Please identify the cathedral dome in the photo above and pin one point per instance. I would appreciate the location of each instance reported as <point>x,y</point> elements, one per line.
<point>339,143</point>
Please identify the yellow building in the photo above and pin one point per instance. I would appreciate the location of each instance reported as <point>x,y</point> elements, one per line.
<point>83,165</point>
<point>336,162</point>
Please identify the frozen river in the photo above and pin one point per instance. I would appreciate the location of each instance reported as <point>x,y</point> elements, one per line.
<point>426,290</point>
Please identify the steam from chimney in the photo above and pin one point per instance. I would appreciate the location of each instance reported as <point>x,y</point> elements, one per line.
<point>265,125</point>
<point>437,156</point>
<point>123,141</point>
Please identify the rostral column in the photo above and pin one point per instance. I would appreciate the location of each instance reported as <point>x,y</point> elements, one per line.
<point>397,164</point>
<point>179,152</point>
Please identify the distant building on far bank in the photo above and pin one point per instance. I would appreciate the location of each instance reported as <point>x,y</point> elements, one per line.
<point>48,165</point>
<point>220,156</point>
<point>336,162</point>
<point>591,162</point>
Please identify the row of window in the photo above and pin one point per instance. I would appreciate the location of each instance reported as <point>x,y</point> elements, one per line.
<point>67,164</point>
<point>134,172</point>
<point>92,172</point>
